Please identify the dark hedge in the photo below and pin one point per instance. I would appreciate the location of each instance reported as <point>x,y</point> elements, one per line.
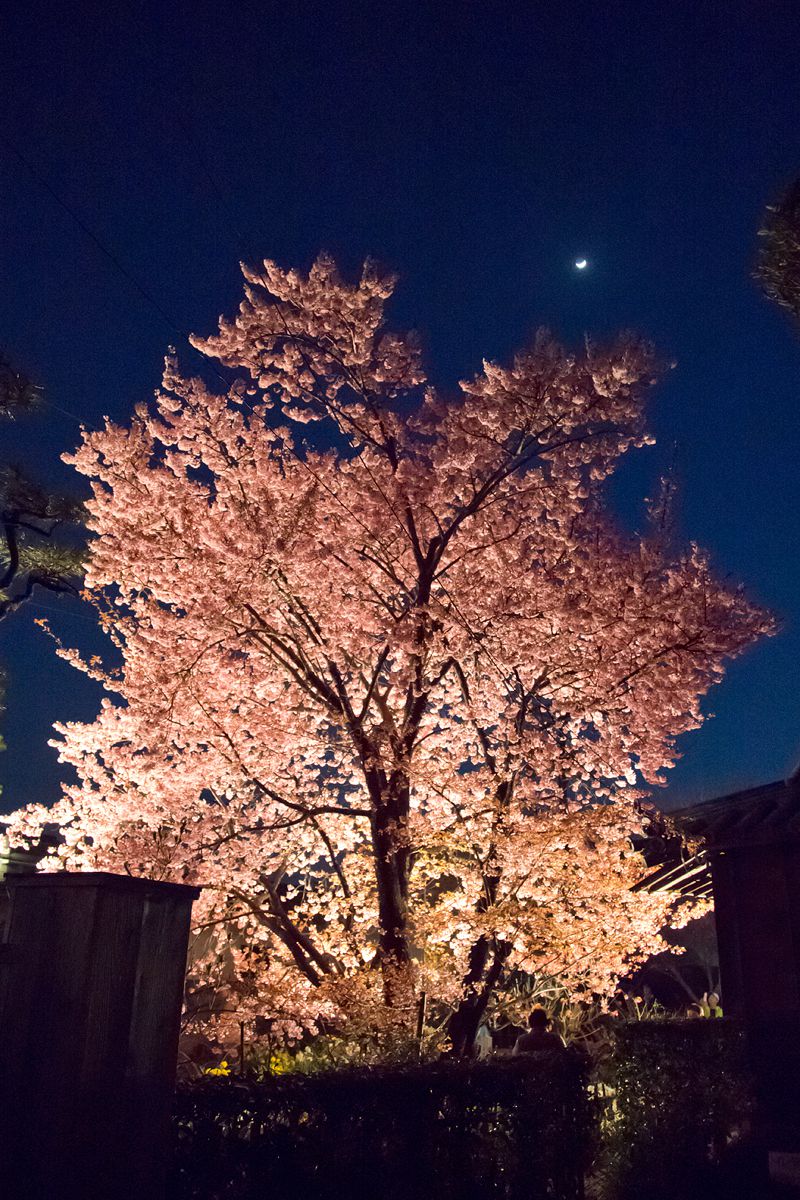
<point>678,1124</point>
<point>518,1129</point>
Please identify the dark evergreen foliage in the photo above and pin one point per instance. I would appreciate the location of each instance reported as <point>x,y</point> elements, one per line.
<point>39,545</point>
<point>778,267</point>
<point>453,1130</point>
<point>678,1122</point>
<point>41,532</point>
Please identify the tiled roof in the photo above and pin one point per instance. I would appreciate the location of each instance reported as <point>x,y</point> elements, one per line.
<point>755,816</point>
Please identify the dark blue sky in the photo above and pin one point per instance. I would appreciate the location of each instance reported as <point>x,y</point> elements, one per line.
<point>478,148</point>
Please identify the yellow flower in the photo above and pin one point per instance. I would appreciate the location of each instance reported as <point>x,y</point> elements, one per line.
<point>222,1069</point>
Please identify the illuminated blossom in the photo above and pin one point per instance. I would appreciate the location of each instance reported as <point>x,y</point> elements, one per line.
<point>393,684</point>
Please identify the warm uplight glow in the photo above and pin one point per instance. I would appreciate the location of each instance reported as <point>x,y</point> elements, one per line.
<point>391,693</point>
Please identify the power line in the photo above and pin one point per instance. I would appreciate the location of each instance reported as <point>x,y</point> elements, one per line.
<point>89,232</point>
<point>115,260</point>
<point>62,612</point>
<point>64,411</point>
<point>143,291</point>
<point>183,123</point>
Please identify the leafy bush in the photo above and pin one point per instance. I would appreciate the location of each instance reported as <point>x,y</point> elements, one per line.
<point>453,1130</point>
<point>673,1100</point>
<point>678,1105</point>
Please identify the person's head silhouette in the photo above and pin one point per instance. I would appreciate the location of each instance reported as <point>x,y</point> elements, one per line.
<point>538,1020</point>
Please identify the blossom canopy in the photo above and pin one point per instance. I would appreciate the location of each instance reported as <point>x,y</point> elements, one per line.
<point>394,684</point>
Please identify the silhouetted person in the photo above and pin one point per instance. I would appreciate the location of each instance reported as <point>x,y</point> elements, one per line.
<point>483,1043</point>
<point>710,1005</point>
<point>539,1038</point>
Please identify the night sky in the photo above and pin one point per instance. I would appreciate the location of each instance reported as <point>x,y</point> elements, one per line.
<point>476,148</point>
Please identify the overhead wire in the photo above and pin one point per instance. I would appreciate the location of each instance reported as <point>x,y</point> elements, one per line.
<point>89,232</point>
<point>175,328</point>
<point>39,177</point>
<point>148,296</point>
<point>146,293</point>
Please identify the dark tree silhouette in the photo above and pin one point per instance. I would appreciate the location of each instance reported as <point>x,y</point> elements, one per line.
<point>41,537</point>
<point>41,543</point>
<point>778,266</point>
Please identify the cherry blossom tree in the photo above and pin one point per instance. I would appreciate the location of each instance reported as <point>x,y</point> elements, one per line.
<point>392,684</point>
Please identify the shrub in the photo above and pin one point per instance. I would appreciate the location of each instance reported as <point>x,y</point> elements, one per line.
<point>679,1103</point>
<point>453,1130</point>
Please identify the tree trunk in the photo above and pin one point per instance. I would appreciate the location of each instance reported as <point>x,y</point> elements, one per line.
<point>487,961</point>
<point>487,957</point>
<point>391,874</point>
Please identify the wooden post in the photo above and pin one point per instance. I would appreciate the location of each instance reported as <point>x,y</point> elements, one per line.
<point>757,912</point>
<point>91,987</point>
<point>422,1004</point>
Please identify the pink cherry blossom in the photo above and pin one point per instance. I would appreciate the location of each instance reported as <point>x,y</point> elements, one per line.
<point>393,684</point>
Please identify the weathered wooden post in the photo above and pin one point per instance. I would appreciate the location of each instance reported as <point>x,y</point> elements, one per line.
<point>752,856</point>
<point>91,987</point>
<point>757,907</point>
